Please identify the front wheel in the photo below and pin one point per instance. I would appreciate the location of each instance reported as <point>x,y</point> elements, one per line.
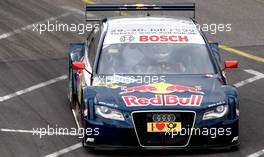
<point>71,96</point>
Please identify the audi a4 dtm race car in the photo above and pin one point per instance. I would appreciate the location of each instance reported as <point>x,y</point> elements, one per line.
<point>151,82</point>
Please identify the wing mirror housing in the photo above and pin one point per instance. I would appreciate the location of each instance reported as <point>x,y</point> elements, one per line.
<point>79,66</point>
<point>232,64</point>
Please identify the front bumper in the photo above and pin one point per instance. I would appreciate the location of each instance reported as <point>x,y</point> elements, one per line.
<point>115,136</point>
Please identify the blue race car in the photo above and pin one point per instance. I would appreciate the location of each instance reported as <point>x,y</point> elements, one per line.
<point>151,82</point>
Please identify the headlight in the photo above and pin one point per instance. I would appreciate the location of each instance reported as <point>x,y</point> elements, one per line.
<point>109,113</point>
<point>217,112</point>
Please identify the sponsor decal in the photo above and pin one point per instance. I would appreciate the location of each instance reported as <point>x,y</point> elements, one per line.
<point>162,97</point>
<point>163,126</point>
<point>162,88</point>
<point>127,38</point>
<point>160,100</point>
<point>108,104</point>
<point>217,104</point>
<point>90,140</point>
<point>153,32</point>
<point>142,89</point>
<point>235,139</point>
<point>163,38</point>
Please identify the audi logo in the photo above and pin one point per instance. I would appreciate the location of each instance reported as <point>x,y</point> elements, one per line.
<point>127,38</point>
<point>163,117</point>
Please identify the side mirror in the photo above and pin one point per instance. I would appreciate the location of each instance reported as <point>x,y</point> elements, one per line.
<point>230,64</point>
<point>78,66</point>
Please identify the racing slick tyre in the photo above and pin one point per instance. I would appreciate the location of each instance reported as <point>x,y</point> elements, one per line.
<point>71,96</point>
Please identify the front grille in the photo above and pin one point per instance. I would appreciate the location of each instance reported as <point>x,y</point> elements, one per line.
<point>146,139</point>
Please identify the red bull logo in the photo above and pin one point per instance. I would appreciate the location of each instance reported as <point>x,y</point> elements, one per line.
<point>162,88</point>
<point>177,88</point>
<point>160,100</point>
<point>143,88</point>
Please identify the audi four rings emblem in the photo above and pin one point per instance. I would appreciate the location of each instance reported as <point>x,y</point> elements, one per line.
<point>163,117</point>
<point>127,38</point>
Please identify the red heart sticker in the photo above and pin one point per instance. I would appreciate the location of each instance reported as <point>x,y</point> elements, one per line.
<point>160,126</point>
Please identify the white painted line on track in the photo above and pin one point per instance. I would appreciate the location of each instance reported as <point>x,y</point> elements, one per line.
<point>18,131</point>
<point>65,150</point>
<point>76,120</point>
<point>43,132</point>
<point>55,154</point>
<point>28,27</point>
<point>257,76</point>
<point>257,154</point>
<point>77,11</point>
<point>34,87</point>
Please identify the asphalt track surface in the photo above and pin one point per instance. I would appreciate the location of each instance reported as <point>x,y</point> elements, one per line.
<point>28,58</point>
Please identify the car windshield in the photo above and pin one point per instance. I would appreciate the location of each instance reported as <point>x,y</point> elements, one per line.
<point>155,58</point>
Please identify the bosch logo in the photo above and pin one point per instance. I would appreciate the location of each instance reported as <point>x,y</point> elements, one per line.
<point>127,38</point>
<point>163,117</point>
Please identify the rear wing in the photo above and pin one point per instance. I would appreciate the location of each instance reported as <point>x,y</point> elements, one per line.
<point>140,7</point>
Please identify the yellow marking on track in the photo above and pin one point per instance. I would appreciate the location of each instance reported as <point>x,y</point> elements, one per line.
<point>88,1</point>
<point>241,53</point>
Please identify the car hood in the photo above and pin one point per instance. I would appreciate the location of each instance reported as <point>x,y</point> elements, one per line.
<point>175,92</point>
